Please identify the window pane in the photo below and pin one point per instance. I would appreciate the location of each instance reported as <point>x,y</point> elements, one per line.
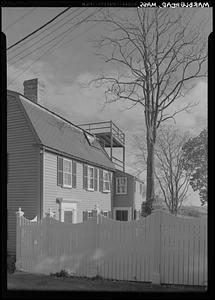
<point>66,166</point>
<point>91,172</point>
<point>106,176</point>
<point>91,183</point>
<point>122,215</point>
<point>107,186</point>
<point>67,179</point>
<point>90,214</point>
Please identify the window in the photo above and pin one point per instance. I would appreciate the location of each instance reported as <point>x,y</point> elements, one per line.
<point>66,172</point>
<point>90,178</point>
<point>89,214</point>
<point>121,215</point>
<point>106,181</point>
<point>105,213</point>
<point>90,138</point>
<point>121,185</point>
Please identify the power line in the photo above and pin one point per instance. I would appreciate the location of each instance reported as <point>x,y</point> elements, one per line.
<point>54,46</point>
<point>62,35</point>
<point>67,42</point>
<point>15,22</point>
<point>37,41</point>
<point>38,28</point>
<point>36,35</point>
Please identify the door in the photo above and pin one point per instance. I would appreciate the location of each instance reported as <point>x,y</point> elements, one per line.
<point>68,216</point>
<point>121,215</point>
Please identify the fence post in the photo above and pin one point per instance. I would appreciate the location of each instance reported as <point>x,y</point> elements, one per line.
<point>156,244</point>
<point>19,216</point>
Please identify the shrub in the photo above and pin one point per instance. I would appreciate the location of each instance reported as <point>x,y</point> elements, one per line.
<point>11,263</point>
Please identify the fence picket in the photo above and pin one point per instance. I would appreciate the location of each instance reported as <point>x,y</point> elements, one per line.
<point>117,250</point>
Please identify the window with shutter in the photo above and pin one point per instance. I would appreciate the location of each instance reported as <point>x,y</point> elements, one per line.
<point>100,180</point>
<point>60,171</point>
<point>66,172</point>
<point>95,179</point>
<point>85,176</point>
<point>106,181</point>
<point>74,172</point>
<point>90,178</point>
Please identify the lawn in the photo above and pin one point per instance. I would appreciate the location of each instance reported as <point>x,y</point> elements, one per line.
<point>27,281</point>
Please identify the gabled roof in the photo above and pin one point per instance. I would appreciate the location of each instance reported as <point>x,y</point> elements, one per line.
<point>122,173</point>
<point>61,135</point>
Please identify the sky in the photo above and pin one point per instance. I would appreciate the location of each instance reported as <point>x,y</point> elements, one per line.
<point>68,63</point>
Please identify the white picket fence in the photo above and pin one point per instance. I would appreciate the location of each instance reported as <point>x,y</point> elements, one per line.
<point>160,248</point>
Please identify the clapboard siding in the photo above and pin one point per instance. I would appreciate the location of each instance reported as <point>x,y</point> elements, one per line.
<point>86,200</point>
<point>23,188</point>
<point>128,199</point>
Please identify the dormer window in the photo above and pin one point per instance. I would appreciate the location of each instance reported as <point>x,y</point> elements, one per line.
<point>90,138</point>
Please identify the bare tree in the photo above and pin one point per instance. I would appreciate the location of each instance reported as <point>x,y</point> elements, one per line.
<point>158,55</point>
<point>171,176</point>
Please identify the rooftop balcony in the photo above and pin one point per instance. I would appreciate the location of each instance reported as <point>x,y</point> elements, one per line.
<point>110,136</point>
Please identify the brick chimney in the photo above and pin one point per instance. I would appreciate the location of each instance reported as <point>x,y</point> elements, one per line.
<point>34,89</point>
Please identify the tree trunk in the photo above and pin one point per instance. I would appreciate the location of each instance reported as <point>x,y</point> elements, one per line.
<point>150,175</point>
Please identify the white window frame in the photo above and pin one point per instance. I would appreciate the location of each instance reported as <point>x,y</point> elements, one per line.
<point>90,178</point>
<point>89,212</point>
<point>105,212</point>
<point>70,173</point>
<point>104,181</point>
<point>119,184</point>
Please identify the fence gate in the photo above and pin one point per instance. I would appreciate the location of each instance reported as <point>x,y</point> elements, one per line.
<point>160,248</point>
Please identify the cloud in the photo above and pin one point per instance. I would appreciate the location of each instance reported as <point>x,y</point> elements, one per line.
<point>83,103</point>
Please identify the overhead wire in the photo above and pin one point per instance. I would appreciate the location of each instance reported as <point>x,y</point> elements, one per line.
<point>23,71</point>
<point>47,35</point>
<point>47,23</point>
<point>20,18</point>
<point>41,32</point>
<point>62,35</point>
